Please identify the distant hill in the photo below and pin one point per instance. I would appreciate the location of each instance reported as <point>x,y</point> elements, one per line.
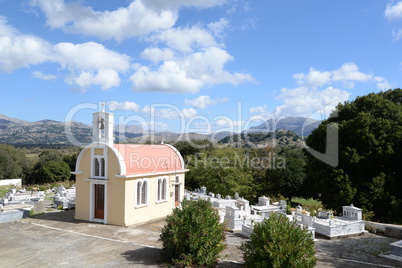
<point>42,132</point>
<point>45,132</point>
<point>300,125</point>
<point>21,132</point>
<point>279,137</point>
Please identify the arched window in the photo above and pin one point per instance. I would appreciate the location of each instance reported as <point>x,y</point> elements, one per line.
<point>139,187</point>
<point>142,193</point>
<point>163,189</point>
<point>96,167</point>
<point>102,164</point>
<point>101,125</point>
<point>159,189</point>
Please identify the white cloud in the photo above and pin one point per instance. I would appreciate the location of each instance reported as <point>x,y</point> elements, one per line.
<point>19,50</point>
<point>188,113</point>
<point>91,64</point>
<point>248,24</point>
<point>227,123</point>
<point>303,101</point>
<point>313,78</point>
<point>218,28</point>
<point>156,55</point>
<point>396,35</point>
<point>203,101</point>
<point>40,75</point>
<point>90,56</point>
<point>105,78</point>
<point>169,78</point>
<point>260,112</point>
<point>382,83</point>
<point>175,4</point>
<point>119,24</point>
<point>186,39</point>
<point>393,12</point>
<point>125,106</point>
<point>168,112</point>
<point>191,59</point>
<point>88,63</point>
<point>189,73</point>
<point>348,74</point>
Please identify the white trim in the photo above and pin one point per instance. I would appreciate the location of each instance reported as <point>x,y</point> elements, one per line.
<point>120,159</point>
<point>178,154</point>
<point>151,174</point>
<point>76,172</point>
<point>92,201</point>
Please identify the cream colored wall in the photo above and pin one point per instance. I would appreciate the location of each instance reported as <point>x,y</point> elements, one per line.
<point>82,187</point>
<point>153,210</point>
<point>116,192</point>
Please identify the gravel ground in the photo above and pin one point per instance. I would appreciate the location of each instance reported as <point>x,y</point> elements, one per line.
<point>355,251</point>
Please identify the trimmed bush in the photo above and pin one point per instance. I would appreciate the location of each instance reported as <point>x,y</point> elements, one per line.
<point>278,242</point>
<point>193,235</point>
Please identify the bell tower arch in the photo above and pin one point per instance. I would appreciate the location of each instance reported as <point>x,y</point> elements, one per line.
<point>102,127</point>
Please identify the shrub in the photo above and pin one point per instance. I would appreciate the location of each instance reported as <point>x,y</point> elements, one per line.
<point>193,235</point>
<point>278,242</point>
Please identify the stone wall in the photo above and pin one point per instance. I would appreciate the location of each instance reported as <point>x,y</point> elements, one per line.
<point>389,230</point>
<point>13,215</point>
<point>14,182</point>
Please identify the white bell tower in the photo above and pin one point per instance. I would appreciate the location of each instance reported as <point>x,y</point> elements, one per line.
<point>102,127</point>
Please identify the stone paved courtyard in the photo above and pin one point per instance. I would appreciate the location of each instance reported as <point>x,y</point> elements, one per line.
<point>56,239</point>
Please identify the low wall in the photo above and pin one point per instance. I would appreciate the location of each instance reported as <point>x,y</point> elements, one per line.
<point>16,182</point>
<point>13,215</point>
<point>389,230</point>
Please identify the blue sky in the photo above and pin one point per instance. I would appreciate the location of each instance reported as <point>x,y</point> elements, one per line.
<point>189,65</point>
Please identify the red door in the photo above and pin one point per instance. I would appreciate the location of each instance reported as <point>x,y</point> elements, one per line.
<point>99,201</point>
<point>176,195</point>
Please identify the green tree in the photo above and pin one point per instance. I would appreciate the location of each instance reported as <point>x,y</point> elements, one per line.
<point>289,178</point>
<point>224,171</point>
<point>193,235</point>
<point>71,160</point>
<point>370,149</point>
<point>13,162</point>
<point>50,168</point>
<point>52,171</point>
<point>279,243</point>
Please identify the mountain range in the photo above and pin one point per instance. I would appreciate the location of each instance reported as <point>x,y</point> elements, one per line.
<point>300,125</point>
<point>20,132</point>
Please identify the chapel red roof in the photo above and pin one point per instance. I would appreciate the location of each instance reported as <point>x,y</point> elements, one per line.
<point>148,159</point>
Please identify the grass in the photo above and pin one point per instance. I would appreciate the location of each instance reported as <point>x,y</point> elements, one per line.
<point>33,213</point>
<point>309,204</point>
<point>303,201</point>
<point>4,189</point>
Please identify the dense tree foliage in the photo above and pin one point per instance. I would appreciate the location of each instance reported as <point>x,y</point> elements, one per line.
<point>289,179</point>
<point>193,235</point>
<point>251,172</point>
<point>13,162</point>
<point>370,150</point>
<point>280,243</point>
<point>224,171</point>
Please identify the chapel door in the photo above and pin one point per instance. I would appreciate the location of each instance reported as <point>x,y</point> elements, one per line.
<point>99,201</point>
<point>176,195</point>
